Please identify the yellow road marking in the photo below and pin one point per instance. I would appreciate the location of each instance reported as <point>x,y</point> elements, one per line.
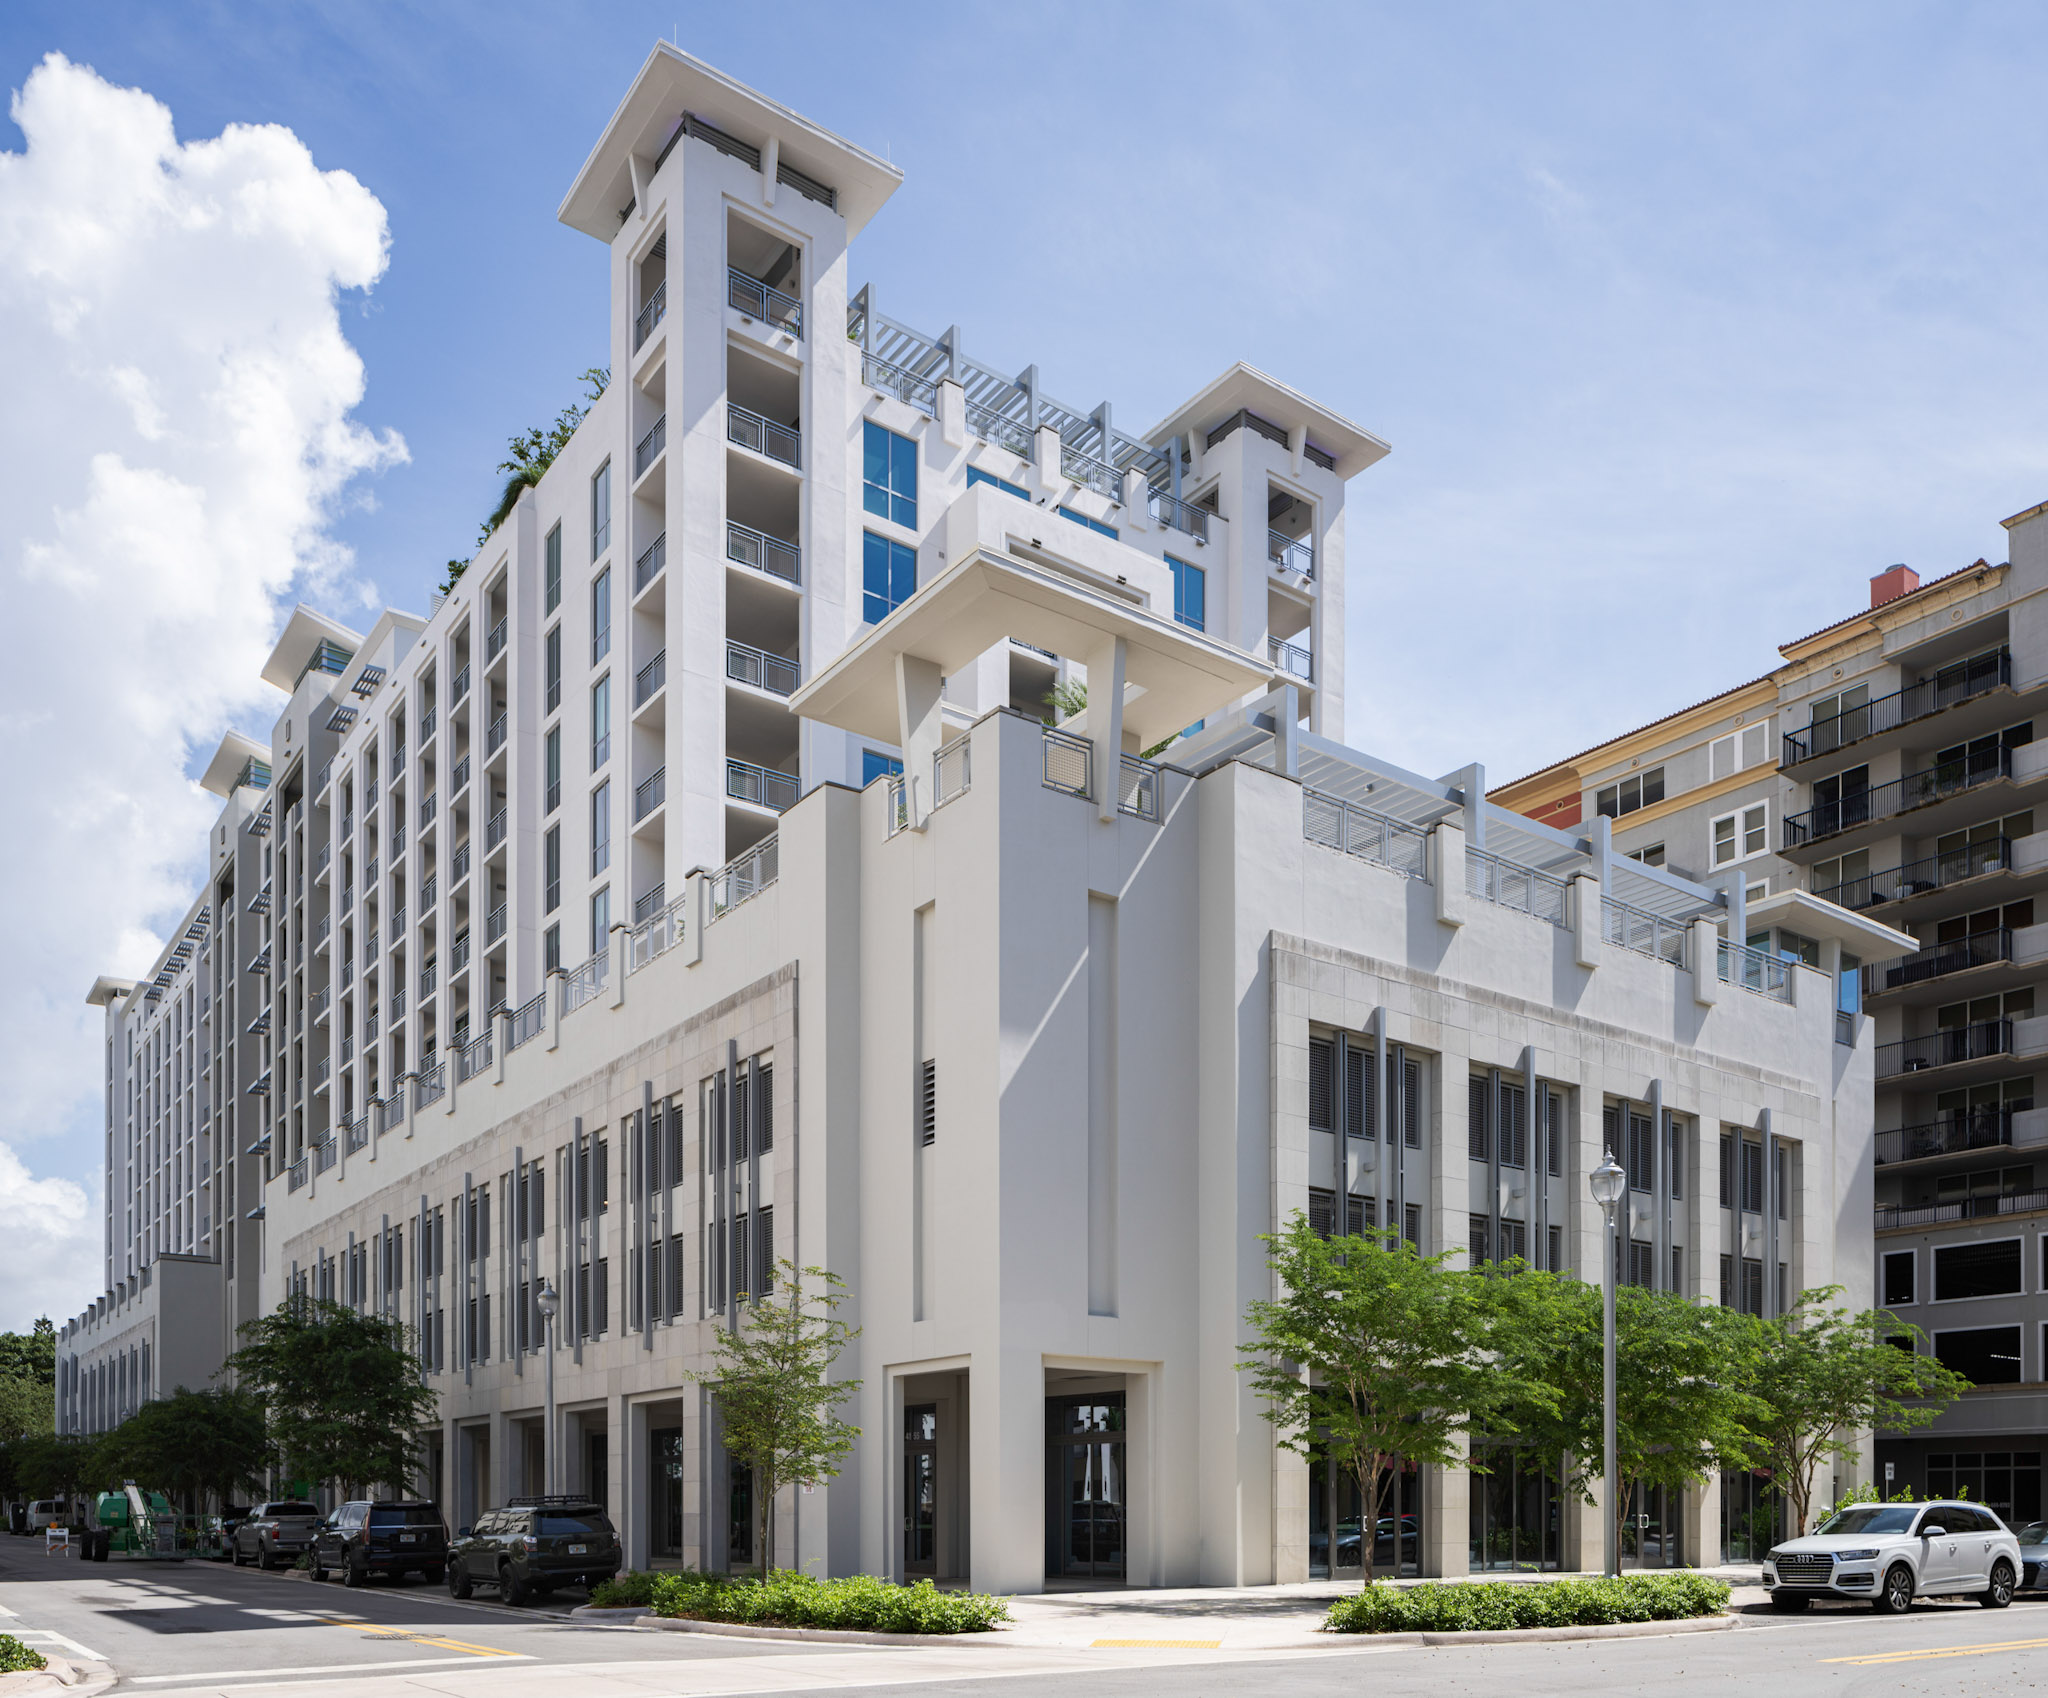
<point>1945,1651</point>
<point>376,1632</point>
<point>1157,1645</point>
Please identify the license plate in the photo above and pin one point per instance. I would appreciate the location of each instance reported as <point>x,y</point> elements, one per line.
<point>408,1538</point>
<point>579,1550</point>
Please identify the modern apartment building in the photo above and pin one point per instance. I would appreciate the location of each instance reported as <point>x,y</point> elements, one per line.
<point>701,885</point>
<point>1888,765</point>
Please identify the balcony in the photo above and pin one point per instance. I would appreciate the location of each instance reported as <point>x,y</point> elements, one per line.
<point>459,953</point>
<point>1291,659</point>
<point>1980,1041</point>
<point>651,792</point>
<point>745,877</point>
<point>1345,826</point>
<point>648,567</point>
<point>899,381</point>
<point>458,777</point>
<point>655,932</point>
<point>647,905</point>
<point>1919,878</point>
<point>458,865</point>
<point>1290,554</point>
<point>1140,788</point>
<point>756,299</point>
<point>650,315</point>
<point>1979,949</point>
<point>749,430</point>
<point>584,982</point>
<point>496,738</point>
<point>427,811</point>
<point>1170,510</point>
<point>648,449</point>
<point>320,783</point>
<point>429,1086</point>
<point>494,925</point>
<point>1091,473</point>
<point>745,546</point>
<point>650,678</point>
<point>1948,688</point>
<point>427,723</point>
<point>1002,431</point>
<point>764,787</point>
<point>1967,1208</point>
<point>527,1020</point>
<point>1900,796</point>
<point>1976,1129</point>
<point>474,1056</point>
<point>428,976</point>
<point>495,644</point>
<point>460,687</point>
<point>1066,762</point>
<point>745,664</point>
<point>1509,884</point>
<point>494,831</point>
<point>1629,927</point>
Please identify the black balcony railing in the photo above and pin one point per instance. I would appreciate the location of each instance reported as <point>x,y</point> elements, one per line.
<point>1979,949</point>
<point>1974,1129</point>
<point>1901,795</point>
<point>1975,1042</point>
<point>1917,878</point>
<point>1952,684</point>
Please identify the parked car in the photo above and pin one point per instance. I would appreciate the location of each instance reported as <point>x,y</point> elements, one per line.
<point>2033,1540</point>
<point>393,1536</point>
<point>534,1545</point>
<point>275,1533</point>
<point>51,1512</point>
<point>1892,1553</point>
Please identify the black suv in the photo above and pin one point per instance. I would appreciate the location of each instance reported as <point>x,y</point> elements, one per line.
<point>534,1545</point>
<point>387,1536</point>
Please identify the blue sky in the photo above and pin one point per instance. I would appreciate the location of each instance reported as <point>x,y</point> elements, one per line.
<point>1681,322</point>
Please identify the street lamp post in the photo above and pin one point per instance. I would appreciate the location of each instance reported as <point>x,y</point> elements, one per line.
<point>1608,1182</point>
<point>550,1305</point>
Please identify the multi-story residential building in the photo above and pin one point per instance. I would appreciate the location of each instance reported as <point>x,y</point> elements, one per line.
<point>700,886</point>
<point>1888,765</point>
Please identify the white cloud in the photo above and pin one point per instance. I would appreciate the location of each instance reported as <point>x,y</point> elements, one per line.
<point>49,1230</point>
<point>175,432</point>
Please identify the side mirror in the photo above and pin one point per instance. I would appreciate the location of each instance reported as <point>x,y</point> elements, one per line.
<point>1935,1532</point>
<point>462,1532</point>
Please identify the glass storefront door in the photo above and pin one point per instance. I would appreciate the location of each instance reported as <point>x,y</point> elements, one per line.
<point>665,1490</point>
<point>1653,1527</point>
<point>1752,1515</point>
<point>1085,1501</point>
<point>739,1548</point>
<point>1514,1512</point>
<point>1336,1522</point>
<point>921,1488</point>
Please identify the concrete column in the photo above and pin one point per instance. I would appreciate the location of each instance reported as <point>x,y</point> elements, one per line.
<point>1706,963</point>
<point>920,715</point>
<point>1587,920</point>
<point>1702,1536</point>
<point>1105,664</point>
<point>1446,1522</point>
<point>1582,1546</point>
<point>1447,869</point>
<point>1006,1542</point>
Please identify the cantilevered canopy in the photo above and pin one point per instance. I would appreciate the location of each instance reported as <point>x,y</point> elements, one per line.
<point>1800,911</point>
<point>1245,387</point>
<point>1172,676</point>
<point>303,633</point>
<point>229,762</point>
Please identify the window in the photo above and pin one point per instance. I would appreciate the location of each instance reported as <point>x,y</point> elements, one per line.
<point>1977,1270</point>
<point>1190,594</point>
<point>1852,870</point>
<point>600,828</point>
<point>874,764</point>
<point>551,651</point>
<point>928,1102</point>
<point>1478,1232</point>
<point>600,722</point>
<point>551,571</point>
<point>551,870</point>
<point>1898,1279</point>
<point>888,576</point>
<point>1986,1356</point>
<point>600,919</point>
<point>551,747</point>
<point>1739,835</point>
<point>601,512</point>
<point>1651,854</point>
<point>551,949</point>
<point>1083,519</point>
<point>1752,1178</point>
<point>1739,749</point>
<point>1322,1084</point>
<point>976,475</point>
<point>1638,790</point>
<point>889,475</point>
<point>601,616</point>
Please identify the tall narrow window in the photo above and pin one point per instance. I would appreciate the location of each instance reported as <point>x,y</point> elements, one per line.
<point>889,475</point>
<point>601,512</point>
<point>1478,1119</point>
<point>600,828</point>
<point>1190,594</point>
<point>600,722</point>
<point>601,616</point>
<point>551,949</point>
<point>888,576</point>
<point>552,761</point>
<point>1322,1084</point>
<point>928,1103</point>
<point>600,919</point>
<point>551,570</point>
<point>551,870</point>
<point>551,650</point>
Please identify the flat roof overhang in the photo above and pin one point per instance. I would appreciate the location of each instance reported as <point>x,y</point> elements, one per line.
<point>304,632</point>
<point>1802,912</point>
<point>236,751</point>
<point>1243,386</point>
<point>1172,676</point>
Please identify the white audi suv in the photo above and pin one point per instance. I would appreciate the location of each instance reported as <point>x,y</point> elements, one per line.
<point>1892,1553</point>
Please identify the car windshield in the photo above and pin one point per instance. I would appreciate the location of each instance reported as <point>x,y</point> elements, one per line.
<point>289,1509</point>
<point>2034,1533</point>
<point>1870,1518</point>
<point>405,1515</point>
<point>588,1521</point>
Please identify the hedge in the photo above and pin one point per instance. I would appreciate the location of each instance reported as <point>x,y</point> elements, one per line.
<point>17,1658</point>
<point>1490,1606</point>
<point>785,1598</point>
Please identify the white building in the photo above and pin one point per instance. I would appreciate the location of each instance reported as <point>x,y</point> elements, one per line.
<point>592,933</point>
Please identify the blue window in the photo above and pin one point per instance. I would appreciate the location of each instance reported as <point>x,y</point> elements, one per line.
<point>1083,519</point>
<point>1190,594</point>
<point>874,764</point>
<point>976,475</point>
<point>888,576</point>
<point>889,475</point>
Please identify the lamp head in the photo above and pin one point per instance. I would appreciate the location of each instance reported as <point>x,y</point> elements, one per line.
<point>1608,1181</point>
<point>547,1302</point>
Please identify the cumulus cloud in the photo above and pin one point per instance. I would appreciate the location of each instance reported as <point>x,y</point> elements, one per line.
<point>175,433</point>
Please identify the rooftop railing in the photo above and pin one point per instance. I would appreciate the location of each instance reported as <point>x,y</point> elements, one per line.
<point>952,771</point>
<point>1985,1128</point>
<point>1374,837</point>
<point>325,1154</point>
<point>1979,1041</point>
<point>746,877</point>
<point>1067,762</point>
<point>650,315</point>
<point>1292,659</point>
<point>1291,554</point>
<point>584,982</point>
<point>527,1020</point>
<point>650,793</point>
<point>648,449</point>
<point>1001,430</point>
<point>660,931</point>
<point>649,903</point>
<point>763,786</point>
<point>746,546</point>
<point>1509,884</point>
<point>745,664</point>
<point>1755,970</point>
<point>1629,927</point>
<point>757,300</point>
<point>1140,788</point>
<point>1978,949</point>
<point>1169,509</point>
<point>650,678</point>
<point>1901,795</point>
<point>474,1057</point>
<point>429,1086</point>
<point>295,1176</point>
<point>920,392</point>
<point>1091,473</point>
<point>747,429</point>
<point>1948,687</point>
<point>898,801</point>
<point>358,1134</point>
<point>1917,878</point>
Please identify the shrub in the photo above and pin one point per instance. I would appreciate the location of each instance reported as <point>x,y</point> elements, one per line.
<point>17,1658</point>
<point>1490,1606</point>
<point>858,1603</point>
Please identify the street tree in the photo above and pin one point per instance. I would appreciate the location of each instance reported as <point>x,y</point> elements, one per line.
<point>341,1392</point>
<point>1373,1354</point>
<point>1822,1377</point>
<point>776,1396</point>
<point>191,1445</point>
<point>28,1381</point>
<point>54,1465</point>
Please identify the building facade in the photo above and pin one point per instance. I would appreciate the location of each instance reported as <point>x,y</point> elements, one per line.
<point>700,886</point>
<point>1888,765</point>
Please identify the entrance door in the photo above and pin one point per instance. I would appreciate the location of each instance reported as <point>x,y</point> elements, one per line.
<point>921,1488</point>
<point>1652,1530</point>
<point>739,1548</point>
<point>1085,1486</point>
<point>665,1491</point>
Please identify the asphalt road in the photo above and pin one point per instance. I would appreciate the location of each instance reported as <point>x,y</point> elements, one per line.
<point>183,1630</point>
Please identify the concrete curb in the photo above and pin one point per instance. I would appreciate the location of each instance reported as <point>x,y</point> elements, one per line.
<point>1546,1635</point>
<point>818,1635</point>
<point>80,1680</point>
<point>590,1612</point>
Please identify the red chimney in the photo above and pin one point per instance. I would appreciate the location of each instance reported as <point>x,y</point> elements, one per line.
<point>1892,583</point>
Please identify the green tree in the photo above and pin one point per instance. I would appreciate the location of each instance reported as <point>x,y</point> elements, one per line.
<point>54,1465</point>
<point>1373,1353</point>
<point>192,1444</point>
<point>1682,1407</point>
<point>528,456</point>
<point>1822,1377</point>
<point>775,1391</point>
<point>340,1390</point>
<point>28,1381</point>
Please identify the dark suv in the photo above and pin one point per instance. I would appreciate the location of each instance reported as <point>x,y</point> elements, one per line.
<point>387,1536</point>
<point>534,1545</point>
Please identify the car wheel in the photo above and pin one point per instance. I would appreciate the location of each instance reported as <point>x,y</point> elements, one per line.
<point>235,1552</point>
<point>1999,1593</point>
<point>353,1574</point>
<point>511,1591</point>
<point>264,1560</point>
<point>458,1581</point>
<point>1789,1603</point>
<point>319,1568</point>
<point>1895,1596</point>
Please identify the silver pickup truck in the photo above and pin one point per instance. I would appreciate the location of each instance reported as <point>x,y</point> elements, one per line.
<point>275,1533</point>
